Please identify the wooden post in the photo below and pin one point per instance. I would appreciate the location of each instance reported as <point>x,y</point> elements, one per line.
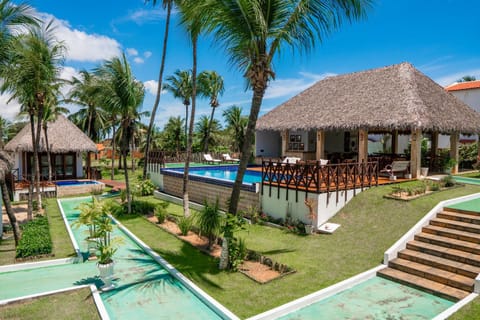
<point>395,141</point>
<point>416,152</point>
<point>320,154</point>
<point>434,146</point>
<point>284,135</point>
<point>362,145</point>
<point>454,139</point>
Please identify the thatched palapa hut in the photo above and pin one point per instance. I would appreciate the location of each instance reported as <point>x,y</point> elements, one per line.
<point>336,116</point>
<point>67,143</point>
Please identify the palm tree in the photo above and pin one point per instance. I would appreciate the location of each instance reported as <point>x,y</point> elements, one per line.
<point>91,118</point>
<point>4,131</point>
<point>211,86</point>
<point>31,75</point>
<point>166,4</point>
<point>13,17</point>
<point>180,86</point>
<point>254,31</point>
<point>236,124</point>
<point>207,130</point>
<point>173,134</point>
<point>6,164</point>
<point>124,94</point>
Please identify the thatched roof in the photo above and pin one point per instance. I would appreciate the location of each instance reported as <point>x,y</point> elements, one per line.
<point>393,97</point>
<point>63,136</point>
<point>6,163</point>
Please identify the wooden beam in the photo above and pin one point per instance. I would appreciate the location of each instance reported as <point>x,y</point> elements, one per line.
<point>434,146</point>
<point>416,152</point>
<point>362,145</point>
<point>395,141</point>
<point>320,153</point>
<point>454,142</point>
<point>284,135</point>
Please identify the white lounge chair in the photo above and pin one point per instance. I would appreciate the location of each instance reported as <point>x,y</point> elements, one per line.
<point>227,158</point>
<point>208,159</point>
<point>291,160</point>
<point>398,166</point>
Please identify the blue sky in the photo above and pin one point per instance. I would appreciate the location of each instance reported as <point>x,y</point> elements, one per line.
<point>439,37</point>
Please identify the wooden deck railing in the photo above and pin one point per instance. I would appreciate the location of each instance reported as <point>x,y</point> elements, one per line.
<point>312,177</point>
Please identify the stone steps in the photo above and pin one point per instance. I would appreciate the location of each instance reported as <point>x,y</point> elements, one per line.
<point>444,258</point>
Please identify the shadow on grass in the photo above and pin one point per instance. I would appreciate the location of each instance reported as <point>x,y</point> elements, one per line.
<point>278,251</point>
<point>192,263</point>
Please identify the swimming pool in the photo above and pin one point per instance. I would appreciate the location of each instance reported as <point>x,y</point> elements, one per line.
<point>225,173</point>
<point>63,183</point>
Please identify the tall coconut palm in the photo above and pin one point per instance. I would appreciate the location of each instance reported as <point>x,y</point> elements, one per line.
<point>6,164</point>
<point>173,134</point>
<point>180,86</point>
<point>124,94</point>
<point>166,4</point>
<point>31,75</point>
<point>13,17</point>
<point>91,118</point>
<point>236,124</point>
<point>210,85</point>
<point>4,131</point>
<point>254,31</point>
<point>207,130</point>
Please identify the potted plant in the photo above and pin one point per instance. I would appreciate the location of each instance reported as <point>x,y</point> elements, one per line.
<point>106,247</point>
<point>449,164</point>
<point>89,211</point>
<point>311,216</point>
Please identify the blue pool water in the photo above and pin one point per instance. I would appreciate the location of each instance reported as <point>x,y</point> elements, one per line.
<point>74,182</point>
<point>228,173</point>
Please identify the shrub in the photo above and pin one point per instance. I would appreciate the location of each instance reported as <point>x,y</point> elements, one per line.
<point>35,239</point>
<point>161,211</point>
<point>448,181</point>
<point>141,207</point>
<point>146,187</point>
<point>237,251</point>
<point>210,221</point>
<point>184,224</point>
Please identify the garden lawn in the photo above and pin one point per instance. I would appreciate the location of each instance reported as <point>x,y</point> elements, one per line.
<point>62,245</point>
<point>370,224</point>
<point>74,305</point>
<point>470,311</point>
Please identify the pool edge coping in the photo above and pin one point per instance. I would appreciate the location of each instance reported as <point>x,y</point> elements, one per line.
<point>457,306</point>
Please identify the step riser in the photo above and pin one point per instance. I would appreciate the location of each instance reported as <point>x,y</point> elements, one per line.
<point>448,216</point>
<point>434,264</point>
<point>444,255</point>
<point>446,244</point>
<point>472,213</point>
<point>471,229</point>
<point>386,276</point>
<point>431,276</point>
<point>451,235</point>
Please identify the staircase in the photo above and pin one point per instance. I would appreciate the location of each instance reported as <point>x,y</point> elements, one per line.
<point>444,258</point>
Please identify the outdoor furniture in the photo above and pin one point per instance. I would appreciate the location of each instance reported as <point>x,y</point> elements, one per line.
<point>397,167</point>
<point>227,158</point>
<point>208,159</point>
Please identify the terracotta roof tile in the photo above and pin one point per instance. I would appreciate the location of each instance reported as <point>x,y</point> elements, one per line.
<point>464,86</point>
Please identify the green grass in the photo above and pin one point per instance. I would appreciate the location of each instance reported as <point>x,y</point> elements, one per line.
<point>370,224</point>
<point>470,311</point>
<point>76,304</point>
<point>474,174</point>
<point>62,246</point>
<point>7,250</point>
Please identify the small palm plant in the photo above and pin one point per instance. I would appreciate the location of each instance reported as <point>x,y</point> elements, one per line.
<point>210,222</point>
<point>89,212</point>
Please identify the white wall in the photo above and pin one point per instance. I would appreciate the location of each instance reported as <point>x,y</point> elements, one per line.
<point>472,98</point>
<point>277,207</point>
<point>268,144</point>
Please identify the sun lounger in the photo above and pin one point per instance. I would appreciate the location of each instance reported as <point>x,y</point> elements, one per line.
<point>227,158</point>
<point>396,167</point>
<point>208,159</point>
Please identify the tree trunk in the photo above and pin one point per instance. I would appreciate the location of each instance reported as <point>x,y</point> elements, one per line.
<point>33,168</point>
<point>132,156</point>
<point>37,174</point>
<point>112,175</point>
<point>223,264</point>
<point>246,149</point>
<point>186,201</point>
<point>10,213</point>
<point>45,129</point>
<point>159,89</point>
<point>127,184</point>
<point>205,146</point>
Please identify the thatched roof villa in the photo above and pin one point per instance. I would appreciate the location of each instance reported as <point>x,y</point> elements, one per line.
<point>336,115</point>
<point>67,143</point>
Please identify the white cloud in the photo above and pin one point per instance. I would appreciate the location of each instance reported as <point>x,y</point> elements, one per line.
<point>151,86</point>
<point>9,110</point>
<point>453,77</point>
<point>138,60</point>
<point>143,16</point>
<point>82,46</point>
<point>132,52</point>
<point>147,54</point>
<point>291,86</point>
